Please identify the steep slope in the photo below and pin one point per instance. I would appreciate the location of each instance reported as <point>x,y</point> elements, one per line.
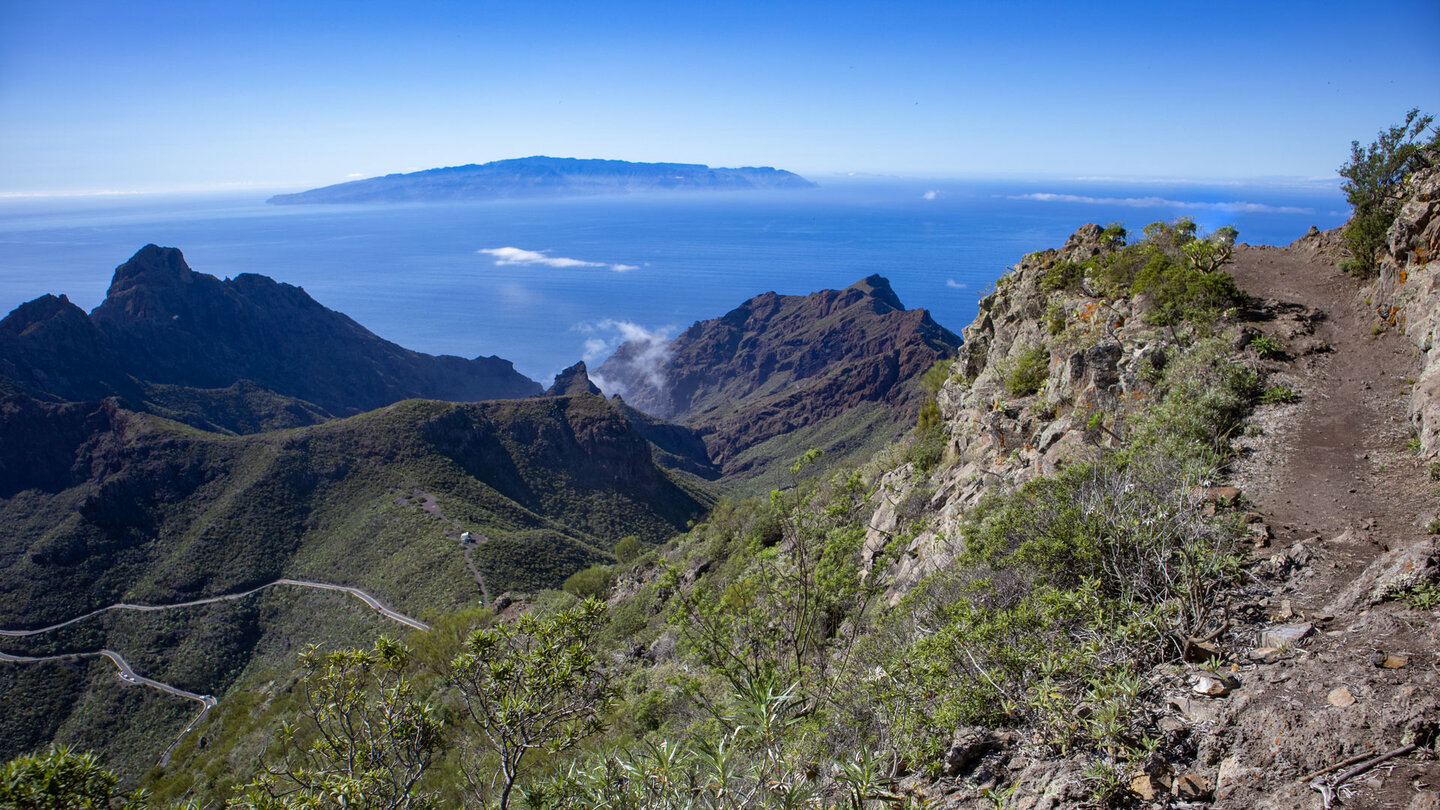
<point>835,369</point>
<point>164,327</point>
<point>544,177</point>
<point>107,505</point>
<point>1325,658</point>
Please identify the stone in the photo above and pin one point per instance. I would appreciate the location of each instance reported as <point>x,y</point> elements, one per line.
<point>968,746</point>
<point>1171,725</point>
<point>1148,787</point>
<point>1391,661</point>
<point>1196,711</point>
<point>1232,774</point>
<point>1263,655</point>
<point>1340,697</point>
<point>1198,652</point>
<point>1390,574</point>
<point>1193,787</point>
<point>1225,496</point>
<point>1286,636</point>
<point>1260,535</point>
<point>1212,685</point>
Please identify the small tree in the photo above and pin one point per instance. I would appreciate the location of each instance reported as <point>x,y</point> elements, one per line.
<point>63,780</point>
<point>532,685</point>
<point>370,739</point>
<point>1208,254</point>
<point>629,548</point>
<point>1374,181</point>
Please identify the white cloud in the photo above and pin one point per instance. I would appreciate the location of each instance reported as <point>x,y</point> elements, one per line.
<point>520,256</point>
<point>1161,202</point>
<point>353,176</point>
<point>649,350</point>
<point>930,195</point>
<point>596,349</point>
<point>955,285</point>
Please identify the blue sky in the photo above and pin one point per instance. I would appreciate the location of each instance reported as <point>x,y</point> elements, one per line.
<point>151,96</point>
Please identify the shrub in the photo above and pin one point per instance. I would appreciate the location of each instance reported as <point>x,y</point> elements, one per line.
<point>1268,347</point>
<point>1028,372</point>
<point>1055,320</point>
<point>589,582</point>
<point>1374,180</point>
<point>63,780</point>
<point>1279,394</point>
<point>628,548</point>
<point>1423,597</point>
<point>1063,275</point>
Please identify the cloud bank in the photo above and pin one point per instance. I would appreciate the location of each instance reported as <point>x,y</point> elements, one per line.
<point>520,256</point>
<point>649,351</point>
<point>1161,202</point>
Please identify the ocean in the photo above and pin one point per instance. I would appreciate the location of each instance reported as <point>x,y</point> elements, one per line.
<point>547,282</point>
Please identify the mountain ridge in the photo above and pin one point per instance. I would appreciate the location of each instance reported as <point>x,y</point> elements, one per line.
<point>778,366</point>
<point>163,325</point>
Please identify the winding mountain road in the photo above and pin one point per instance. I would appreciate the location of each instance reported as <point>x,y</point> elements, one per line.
<point>355,592</point>
<point>207,702</point>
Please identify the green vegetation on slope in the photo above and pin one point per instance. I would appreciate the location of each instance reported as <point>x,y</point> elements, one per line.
<point>758,660</point>
<point>1374,180</point>
<point>377,501</point>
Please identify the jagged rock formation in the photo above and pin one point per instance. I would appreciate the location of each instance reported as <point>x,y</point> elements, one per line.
<point>1408,295</point>
<point>164,327</point>
<point>572,381</point>
<point>781,364</point>
<point>545,177</point>
<point>1000,439</point>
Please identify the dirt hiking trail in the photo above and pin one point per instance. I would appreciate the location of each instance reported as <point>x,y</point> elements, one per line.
<point>1334,480</point>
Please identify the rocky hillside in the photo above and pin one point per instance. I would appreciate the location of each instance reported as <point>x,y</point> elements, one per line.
<point>1319,685</point>
<point>1407,296</point>
<point>835,369</point>
<point>188,345</point>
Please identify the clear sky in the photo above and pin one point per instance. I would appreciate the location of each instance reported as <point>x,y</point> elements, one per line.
<point>134,95</point>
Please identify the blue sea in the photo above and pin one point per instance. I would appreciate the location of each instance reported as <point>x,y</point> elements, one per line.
<point>546,283</point>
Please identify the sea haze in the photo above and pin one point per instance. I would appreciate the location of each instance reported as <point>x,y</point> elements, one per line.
<point>546,283</point>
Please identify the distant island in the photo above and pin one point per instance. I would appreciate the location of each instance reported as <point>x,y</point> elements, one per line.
<point>541,176</point>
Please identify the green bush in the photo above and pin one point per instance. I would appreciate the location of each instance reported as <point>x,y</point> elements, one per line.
<point>1028,372</point>
<point>1374,178</point>
<point>1279,394</point>
<point>1063,275</point>
<point>589,582</point>
<point>1268,347</point>
<point>629,548</point>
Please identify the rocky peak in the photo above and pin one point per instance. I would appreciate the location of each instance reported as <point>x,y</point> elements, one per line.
<point>573,381</point>
<point>163,324</point>
<point>1086,243</point>
<point>778,364</point>
<point>152,266</point>
<point>39,312</point>
<point>878,287</point>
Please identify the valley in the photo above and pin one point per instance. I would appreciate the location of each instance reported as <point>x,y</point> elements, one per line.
<point>1158,531</point>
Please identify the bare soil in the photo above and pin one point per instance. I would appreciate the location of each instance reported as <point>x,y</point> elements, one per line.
<point>1333,478</point>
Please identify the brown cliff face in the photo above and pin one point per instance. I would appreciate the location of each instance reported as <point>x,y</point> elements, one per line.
<point>163,324</point>
<point>778,363</point>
